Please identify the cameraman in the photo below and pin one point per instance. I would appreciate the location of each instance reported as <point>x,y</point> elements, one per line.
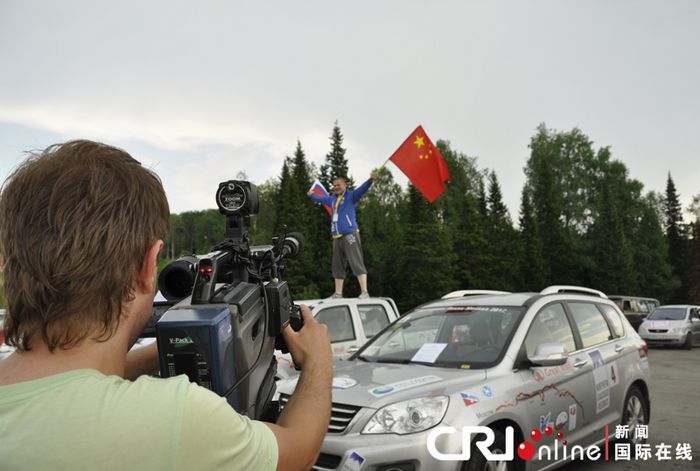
<point>81,227</point>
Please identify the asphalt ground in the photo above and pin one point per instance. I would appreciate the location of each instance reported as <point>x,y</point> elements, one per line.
<point>675,413</point>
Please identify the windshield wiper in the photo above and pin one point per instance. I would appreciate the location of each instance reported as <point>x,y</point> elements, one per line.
<point>400,361</point>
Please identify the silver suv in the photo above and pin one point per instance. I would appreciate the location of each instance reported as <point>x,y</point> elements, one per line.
<point>559,366</point>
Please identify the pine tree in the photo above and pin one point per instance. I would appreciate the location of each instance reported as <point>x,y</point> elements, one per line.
<point>543,182</point>
<point>651,254</point>
<point>462,207</point>
<point>336,164</point>
<point>294,213</point>
<point>382,235</point>
<point>427,269</point>
<point>694,275</point>
<point>613,269</point>
<point>676,238</point>
<point>531,262</point>
<point>502,238</point>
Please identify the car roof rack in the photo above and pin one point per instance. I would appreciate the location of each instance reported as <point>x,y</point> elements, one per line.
<point>569,289</point>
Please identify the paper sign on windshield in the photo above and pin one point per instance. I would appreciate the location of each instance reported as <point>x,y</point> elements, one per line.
<point>429,352</point>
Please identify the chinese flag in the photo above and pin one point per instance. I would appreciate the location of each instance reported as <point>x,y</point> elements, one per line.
<point>423,164</point>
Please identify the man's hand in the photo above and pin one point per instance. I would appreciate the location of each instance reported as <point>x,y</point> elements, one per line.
<point>303,423</point>
<point>311,344</point>
<point>310,192</point>
<point>374,174</point>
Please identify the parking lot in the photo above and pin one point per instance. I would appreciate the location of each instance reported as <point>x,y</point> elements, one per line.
<point>675,411</point>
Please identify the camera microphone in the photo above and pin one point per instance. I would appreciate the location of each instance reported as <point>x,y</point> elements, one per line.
<point>292,244</point>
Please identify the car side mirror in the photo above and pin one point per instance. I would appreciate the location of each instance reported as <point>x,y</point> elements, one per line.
<point>549,354</point>
<point>694,319</point>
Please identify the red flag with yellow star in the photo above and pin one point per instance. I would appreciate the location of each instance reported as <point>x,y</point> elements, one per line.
<point>423,164</point>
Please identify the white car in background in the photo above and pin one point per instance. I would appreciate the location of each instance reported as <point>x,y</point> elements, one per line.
<point>677,325</point>
<point>351,322</point>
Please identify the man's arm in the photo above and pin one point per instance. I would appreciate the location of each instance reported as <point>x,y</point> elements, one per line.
<point>303,423</point>
<point>362,189</point>
<point>141,361</point>
<point>320,198</point>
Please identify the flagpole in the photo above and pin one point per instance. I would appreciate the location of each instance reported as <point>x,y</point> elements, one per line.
<point>384,164</point>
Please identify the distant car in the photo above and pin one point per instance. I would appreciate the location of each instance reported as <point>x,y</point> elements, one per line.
<point>472,292</point>
<point>351,322</point>
<point>544,364</point>
<point>635,308</point>
<point>677,325</point>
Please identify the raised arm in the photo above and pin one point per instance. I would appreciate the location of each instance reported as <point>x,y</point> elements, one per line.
<point>362,189</point>
<point>330,199</point>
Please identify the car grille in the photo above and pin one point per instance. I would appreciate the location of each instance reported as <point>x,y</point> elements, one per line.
<point>341,414</point>
<point>658,331</point>
<point>326,461</point>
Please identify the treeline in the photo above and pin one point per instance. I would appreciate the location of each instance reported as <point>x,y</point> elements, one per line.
<point>582,221</point>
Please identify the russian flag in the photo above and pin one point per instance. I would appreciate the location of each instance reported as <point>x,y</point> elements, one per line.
<point>318,189</point>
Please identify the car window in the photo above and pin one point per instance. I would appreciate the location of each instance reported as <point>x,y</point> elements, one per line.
<point>374,318</point>
<point>643,307</point>
<point>668,314</point>
<point>696,313</point>
<point>473,336</point>
<point>550,325</point>
<point>339,322</point>
<point>614,318</point>
<point>590,323</point>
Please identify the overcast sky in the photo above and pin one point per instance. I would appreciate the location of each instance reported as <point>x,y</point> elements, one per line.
<point>203,90</point>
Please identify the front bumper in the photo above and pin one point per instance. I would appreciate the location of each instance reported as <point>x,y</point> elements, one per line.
<point>381,452</point>
<point>663,339</point>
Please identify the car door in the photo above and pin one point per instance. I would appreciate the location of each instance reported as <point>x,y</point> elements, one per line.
<point>604,352</point>
<point>341,327</point>
<point>556,396</point>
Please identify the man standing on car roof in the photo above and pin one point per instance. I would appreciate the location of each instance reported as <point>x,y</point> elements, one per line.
<point>346,237</point>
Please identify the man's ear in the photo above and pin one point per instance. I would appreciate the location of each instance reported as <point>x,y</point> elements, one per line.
<point>149,268</point>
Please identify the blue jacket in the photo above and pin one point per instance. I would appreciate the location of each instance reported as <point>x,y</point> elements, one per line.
<point>346,208</point>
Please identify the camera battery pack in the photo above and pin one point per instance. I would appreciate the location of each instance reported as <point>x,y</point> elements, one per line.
<point>199,344</point>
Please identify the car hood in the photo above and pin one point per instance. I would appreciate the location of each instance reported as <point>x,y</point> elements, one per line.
<point>378,384</point>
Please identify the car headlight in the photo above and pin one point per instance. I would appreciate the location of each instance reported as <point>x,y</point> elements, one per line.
<point>678,330</point>
<point>410,416</point>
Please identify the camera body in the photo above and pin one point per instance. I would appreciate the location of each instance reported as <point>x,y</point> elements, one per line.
<point>225,310</point>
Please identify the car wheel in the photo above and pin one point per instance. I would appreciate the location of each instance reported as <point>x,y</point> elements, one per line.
<point>479,463</point>
<point>688,344</point>
<point>635,413</point>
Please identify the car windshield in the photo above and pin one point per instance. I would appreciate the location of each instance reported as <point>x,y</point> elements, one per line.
<point>668,314</point>
<point>455,337</point>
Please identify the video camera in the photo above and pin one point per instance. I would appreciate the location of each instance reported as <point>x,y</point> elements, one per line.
<point>225,310</point>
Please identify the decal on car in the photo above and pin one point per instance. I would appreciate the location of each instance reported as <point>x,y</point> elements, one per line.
<point>343,382</point>
<point>469,399</point>
<point>572,416</point>
<point>523,396</point>
<point>354,462</point>
<point>387,389</point>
